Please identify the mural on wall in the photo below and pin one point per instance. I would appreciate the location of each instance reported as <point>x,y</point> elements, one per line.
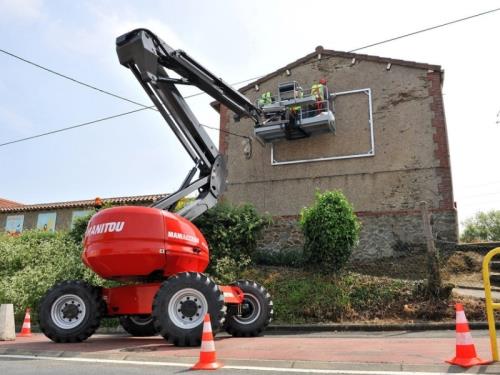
<point>46,222</point>
<point>14,224</point>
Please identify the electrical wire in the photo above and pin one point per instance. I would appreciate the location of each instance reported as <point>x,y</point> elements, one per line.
<point>427,29</point>
<point>105,119</point>
<point>391,40</point>
<point>73,79</point>
<point>103,92</point>
<point>74,126</point>
<point>202,93</point>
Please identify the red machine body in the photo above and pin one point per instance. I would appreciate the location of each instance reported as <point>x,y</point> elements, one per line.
<point>137,299</point>
<point>133,243</point>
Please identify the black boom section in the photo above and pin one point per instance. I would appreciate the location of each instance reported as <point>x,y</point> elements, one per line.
<point>147,56</point>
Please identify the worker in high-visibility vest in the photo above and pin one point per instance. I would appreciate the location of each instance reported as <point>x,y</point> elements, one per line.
<point>265,98</point>
<point>317,90</point>
<point>295,113</point>
<point>320,91</point>
<point>296,110</point>
<point>299,93</point>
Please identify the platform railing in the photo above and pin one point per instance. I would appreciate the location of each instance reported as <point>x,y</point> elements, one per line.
<point>490,305</point>
<point>311,110</point>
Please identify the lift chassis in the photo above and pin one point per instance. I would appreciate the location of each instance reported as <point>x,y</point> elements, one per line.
<point>160,255</point>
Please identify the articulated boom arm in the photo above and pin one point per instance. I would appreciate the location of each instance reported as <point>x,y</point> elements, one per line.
<point>147,56</point>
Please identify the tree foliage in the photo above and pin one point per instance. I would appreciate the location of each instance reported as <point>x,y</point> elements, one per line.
<point>484,226</point>
<point>331,230</point>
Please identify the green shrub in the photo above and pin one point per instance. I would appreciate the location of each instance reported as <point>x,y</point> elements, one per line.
<point>331,230</point>
<point>33,262</point>
<point>79,227</point>
<point>231,232</point>
<point>484,226</point>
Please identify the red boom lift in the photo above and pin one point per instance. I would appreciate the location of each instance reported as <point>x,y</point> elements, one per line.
<point>161,255</point>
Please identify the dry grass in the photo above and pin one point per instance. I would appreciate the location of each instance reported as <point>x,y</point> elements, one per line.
<point>385,291</point>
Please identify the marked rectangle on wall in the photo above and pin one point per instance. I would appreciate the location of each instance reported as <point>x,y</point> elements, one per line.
<point>47,222</point>
<point>353,136</point>
<point>77,214</point>
<point>14,224</point>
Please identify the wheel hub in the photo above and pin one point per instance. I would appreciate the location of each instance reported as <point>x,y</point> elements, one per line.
<point>68,311</point>
<point>250,310</point>
<point>71,311</point>
<point>189,308</point>
<point>246,309</point>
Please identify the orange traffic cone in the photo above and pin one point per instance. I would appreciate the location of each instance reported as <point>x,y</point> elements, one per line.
<point>465,350</point>
<point>26,329</point>
<point>208,360</point>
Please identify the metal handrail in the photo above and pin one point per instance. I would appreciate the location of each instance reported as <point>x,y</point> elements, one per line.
<point>306,111</point>
<point>490,305</point>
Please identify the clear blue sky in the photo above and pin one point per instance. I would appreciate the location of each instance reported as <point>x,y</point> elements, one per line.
<point>137,154</point>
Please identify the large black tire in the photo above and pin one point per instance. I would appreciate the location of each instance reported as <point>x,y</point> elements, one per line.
<point>71,311</point>
<point>180,305</point>
<point>256,311</point>
<point>138,325</point>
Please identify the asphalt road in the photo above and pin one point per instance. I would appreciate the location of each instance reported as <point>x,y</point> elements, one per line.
<point>27,366</point>
<point>350,353</point>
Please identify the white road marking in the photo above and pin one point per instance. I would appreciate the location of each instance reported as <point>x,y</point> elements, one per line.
<point>231,367</point>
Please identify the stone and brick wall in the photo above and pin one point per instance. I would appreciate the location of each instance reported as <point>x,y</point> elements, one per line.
<point>382,236</point>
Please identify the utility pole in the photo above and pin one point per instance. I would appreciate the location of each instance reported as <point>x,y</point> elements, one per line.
<point>433,272</point>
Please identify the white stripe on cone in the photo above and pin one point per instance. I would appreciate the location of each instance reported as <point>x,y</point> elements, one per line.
<point>208,346</point>
<point>464,338</point>
<point>207,327</point>
<point>26,325</point>
<point>461,317</point>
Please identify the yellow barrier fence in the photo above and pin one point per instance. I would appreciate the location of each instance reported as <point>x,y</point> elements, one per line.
<point>490,305</point>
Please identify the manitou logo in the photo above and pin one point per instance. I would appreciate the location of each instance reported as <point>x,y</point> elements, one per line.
<point>183,236</point>
<point>113,226</point>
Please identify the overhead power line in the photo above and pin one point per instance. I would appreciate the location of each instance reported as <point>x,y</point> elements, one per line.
<point>73,79</point>
<point>77,81</point>
<point>385,41</point>
<point>427,29</point>
<point>201,92</point>
<point>74,126</point>
<point>101,120</point>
